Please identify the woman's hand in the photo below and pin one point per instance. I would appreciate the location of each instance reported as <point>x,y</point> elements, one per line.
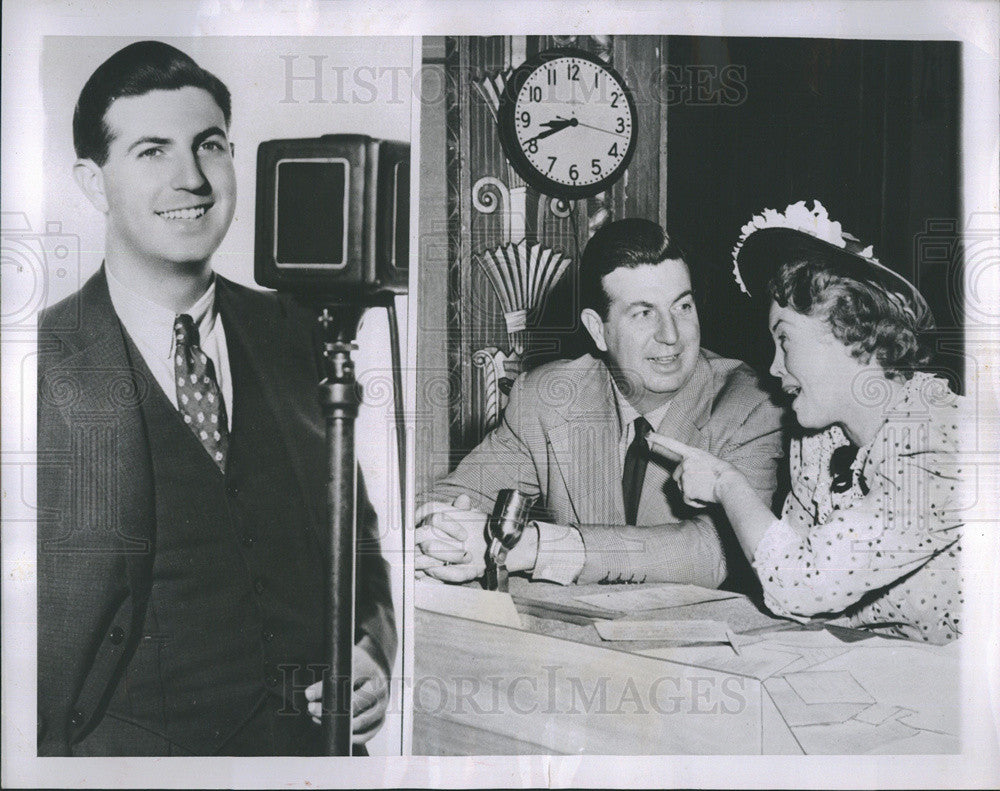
<point>705,479</point>
<point>699,474</point>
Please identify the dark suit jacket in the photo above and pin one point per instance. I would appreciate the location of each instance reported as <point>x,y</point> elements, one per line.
<point>96,516</point>
<point>559,440</point>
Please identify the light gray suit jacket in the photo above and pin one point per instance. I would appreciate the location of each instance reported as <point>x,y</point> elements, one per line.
<point>559,439</point>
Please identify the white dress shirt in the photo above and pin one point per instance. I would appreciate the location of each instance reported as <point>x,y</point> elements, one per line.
<point>626,421</point>
<point>151,328</point>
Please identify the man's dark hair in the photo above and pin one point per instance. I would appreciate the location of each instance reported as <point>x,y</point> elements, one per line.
<point>630,243</point>
<point>134,71</point>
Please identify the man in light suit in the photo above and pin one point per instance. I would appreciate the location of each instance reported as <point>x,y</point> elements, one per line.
<point>182,461</point>
<point>573,433</point>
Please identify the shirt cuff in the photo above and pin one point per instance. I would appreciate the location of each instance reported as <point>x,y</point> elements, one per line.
<point>561,553</point>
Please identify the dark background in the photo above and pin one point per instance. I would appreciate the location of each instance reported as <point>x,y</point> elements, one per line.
<point>870,129</point>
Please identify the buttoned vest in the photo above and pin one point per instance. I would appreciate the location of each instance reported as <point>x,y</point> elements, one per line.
<point>233,629</point>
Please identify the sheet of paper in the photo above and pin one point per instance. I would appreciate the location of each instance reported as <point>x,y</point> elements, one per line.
<point>808,657</point>
<point>796,712</point>
<point>932,719</point>
<point>853,737</point>
<point>828,687</point>
<point>923,679</point>
<point>675,631</point>
<point>472,603</point>
<point>811,638</point>
<point>879,713</point>
<point>654,597</point>
<point>754,661</point>
<point>921,743</point>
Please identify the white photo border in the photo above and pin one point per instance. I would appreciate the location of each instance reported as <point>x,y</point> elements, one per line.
<point>975,24</point>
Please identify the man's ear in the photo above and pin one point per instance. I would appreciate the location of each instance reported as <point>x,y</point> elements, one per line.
<point>595,326</point>
<point>90,177</point>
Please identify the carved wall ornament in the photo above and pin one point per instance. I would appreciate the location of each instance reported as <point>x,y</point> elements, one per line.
<point>489,88</point>
<point>490,193</point>
<point>522,275</point>
<point>499,370</point>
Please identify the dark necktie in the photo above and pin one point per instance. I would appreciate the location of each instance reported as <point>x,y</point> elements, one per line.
<point>199,399</point>
<point>636,458</point>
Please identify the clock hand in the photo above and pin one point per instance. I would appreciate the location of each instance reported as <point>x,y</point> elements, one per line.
<point>599,129</point>
<point>556,125</point>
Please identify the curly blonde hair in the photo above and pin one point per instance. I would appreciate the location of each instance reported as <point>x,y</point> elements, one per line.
<point>868,317</point>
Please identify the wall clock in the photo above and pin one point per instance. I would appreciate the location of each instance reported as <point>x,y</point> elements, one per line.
<point>567,123</point>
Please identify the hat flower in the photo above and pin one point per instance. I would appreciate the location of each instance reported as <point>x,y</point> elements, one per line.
<point>815,222</point>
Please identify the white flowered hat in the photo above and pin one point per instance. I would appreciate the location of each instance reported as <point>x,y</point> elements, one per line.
<point>773,238</point>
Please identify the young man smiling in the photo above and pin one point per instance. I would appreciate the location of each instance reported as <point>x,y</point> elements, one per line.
<point>574,434</point>
<point>182,460</point>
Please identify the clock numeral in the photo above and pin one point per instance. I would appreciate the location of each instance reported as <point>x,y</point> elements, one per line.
<point>538,89</point>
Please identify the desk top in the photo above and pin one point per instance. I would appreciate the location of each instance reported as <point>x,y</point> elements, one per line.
<point>822,690</point>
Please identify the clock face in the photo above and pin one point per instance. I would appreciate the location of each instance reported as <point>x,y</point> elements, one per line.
<point>568,123</point>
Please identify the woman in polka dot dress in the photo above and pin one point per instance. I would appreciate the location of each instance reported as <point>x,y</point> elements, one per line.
<point>870,534</point>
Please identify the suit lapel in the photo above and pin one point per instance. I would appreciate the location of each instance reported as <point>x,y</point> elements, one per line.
<point>286,374</point>
<point>111,390</point>
<point>585,451</point>
<point>584,446</point>
<point>690,408</point>
<point>683,421</point>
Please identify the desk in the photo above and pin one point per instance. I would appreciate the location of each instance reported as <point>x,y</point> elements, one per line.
<point>554,687</point>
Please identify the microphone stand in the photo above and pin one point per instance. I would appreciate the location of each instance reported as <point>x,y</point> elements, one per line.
<point>338,394</point>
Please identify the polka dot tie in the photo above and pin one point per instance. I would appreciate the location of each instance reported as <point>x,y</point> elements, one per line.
<point>199,398</point>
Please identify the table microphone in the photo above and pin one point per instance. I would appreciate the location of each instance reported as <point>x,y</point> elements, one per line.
<point>506,525</point>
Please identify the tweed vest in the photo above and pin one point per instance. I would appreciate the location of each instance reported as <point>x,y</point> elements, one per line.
<point>235,614</point>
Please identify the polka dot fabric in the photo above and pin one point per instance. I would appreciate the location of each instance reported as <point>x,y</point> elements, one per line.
<point>199,399</point>
<point>886,553</point>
